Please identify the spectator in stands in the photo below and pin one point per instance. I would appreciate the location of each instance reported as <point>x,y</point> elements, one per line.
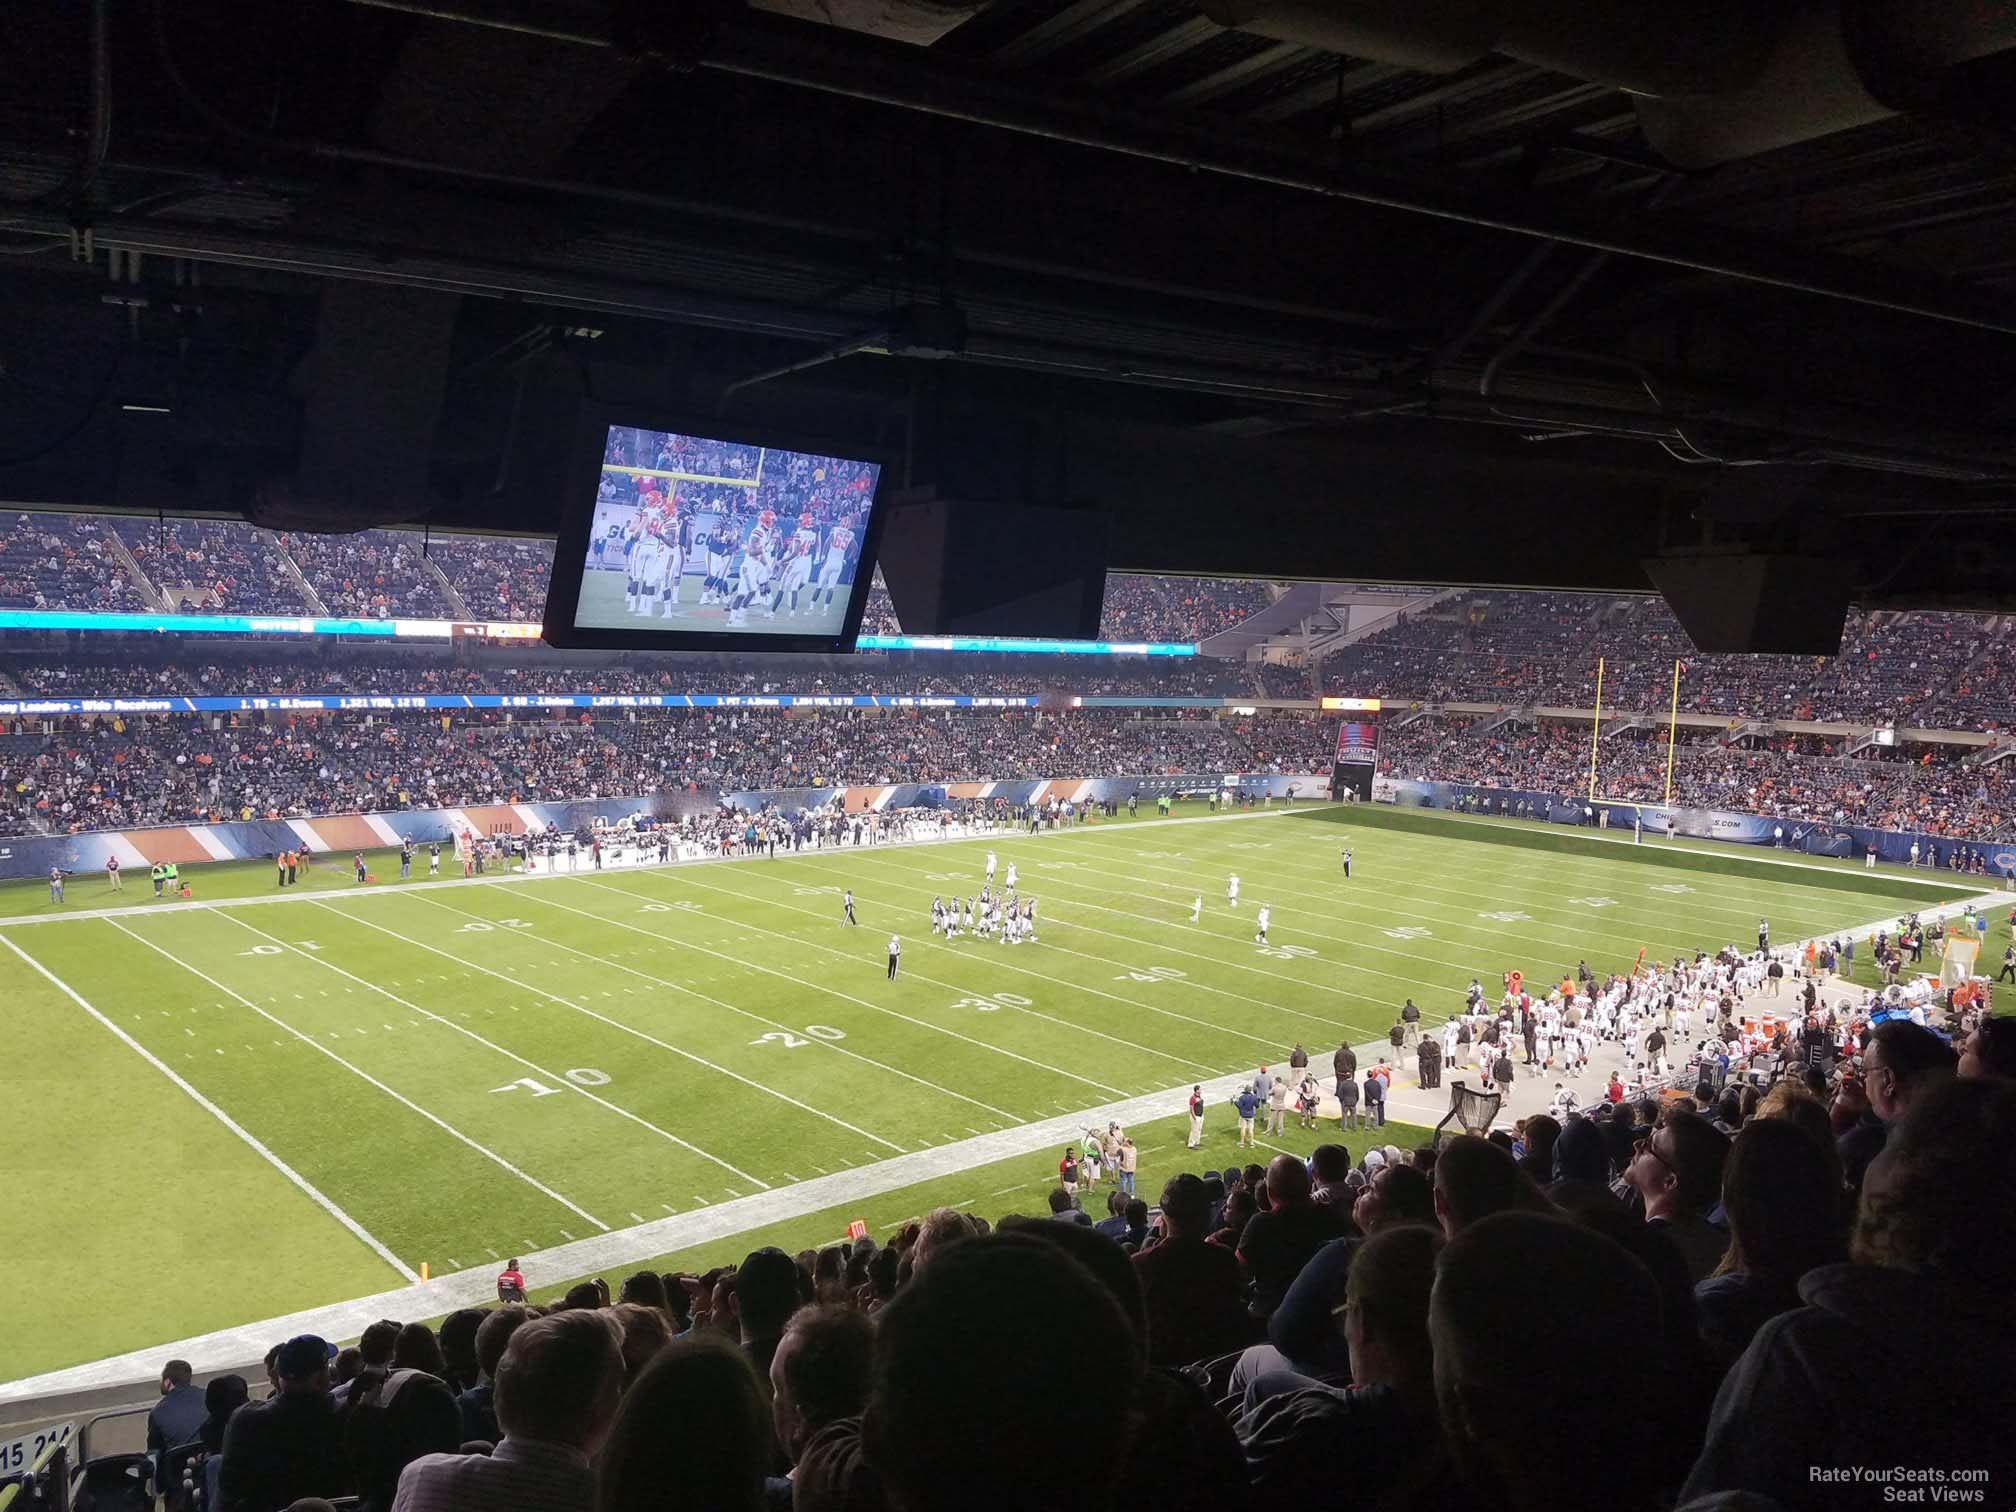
<point>694,1431</point>
<point>646,1288</point>
<point>222,1396</point>
<point>178,1416</point>
<point>1279,1240</point>
<point>974,1404</point>
<point>458,1347</point>
<point>377,1344</point>
<point>818,1377</point>
<point>417,1349</point>
<point>1991,1049</point>
<point>1475,1178</point>
<point>1900,1357</point>
<point>766,1294</point>
<point>1313,1447</point>
<point>1303,1341</point>
<point>395,1418</point>
<point>1190,1288</point>
<point>290,1445</point>
<point>1899,1063</point>
<point>1066,1210</point>
<point>646,1331</point>
<point>941,1228</point>
<point>1782,1193</point>
<point>1579,1297</point>
<point>478,1403</point>
<point>1677,1174</point>
<point>557,1388</point>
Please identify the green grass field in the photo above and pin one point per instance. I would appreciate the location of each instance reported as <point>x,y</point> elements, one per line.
<point>456,1074</point>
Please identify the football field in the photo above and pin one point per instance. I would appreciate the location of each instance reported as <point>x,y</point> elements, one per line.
<point>258,1103</point>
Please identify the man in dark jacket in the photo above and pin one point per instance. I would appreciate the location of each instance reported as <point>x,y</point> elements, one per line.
<point>1430,1061</point>
<point>1921,1297</point>
<point>291,1445</point>
<point>1189,1288</point>
<point>1375,1101</point>
<point>1344,1064</point>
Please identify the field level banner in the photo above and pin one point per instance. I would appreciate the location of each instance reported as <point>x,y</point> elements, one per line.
<point>340,834</point>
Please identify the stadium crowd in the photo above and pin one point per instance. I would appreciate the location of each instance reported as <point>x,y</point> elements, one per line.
<point>1802,779</point>
<point>1776,1298</point>
<point>128,772</point>
<point>1929,670</point>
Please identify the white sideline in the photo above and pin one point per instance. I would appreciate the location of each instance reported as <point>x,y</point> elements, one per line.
<point>215,1112</point>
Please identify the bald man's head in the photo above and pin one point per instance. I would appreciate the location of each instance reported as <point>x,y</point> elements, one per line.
<point>1287,1180</point>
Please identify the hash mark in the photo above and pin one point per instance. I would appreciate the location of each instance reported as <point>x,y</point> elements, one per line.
<point>565,1235</point>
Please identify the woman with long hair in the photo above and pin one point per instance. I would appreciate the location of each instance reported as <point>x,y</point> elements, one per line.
<point>693,1432</point>
<point>1782,1194</point>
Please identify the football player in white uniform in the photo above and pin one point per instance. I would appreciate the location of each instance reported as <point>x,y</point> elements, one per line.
<point>839,541</point>
<point>757,549</point>
<point>797,572</point>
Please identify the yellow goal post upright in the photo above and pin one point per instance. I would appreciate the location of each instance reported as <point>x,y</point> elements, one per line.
<point>1643,806</point>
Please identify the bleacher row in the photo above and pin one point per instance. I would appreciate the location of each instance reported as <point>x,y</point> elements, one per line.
<point>132,772</point>
<point>1921,670</point>
<point>89,562</point>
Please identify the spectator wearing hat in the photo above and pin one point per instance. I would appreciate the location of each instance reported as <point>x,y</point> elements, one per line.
<point>290,1445</point>
<point>1189,1288</point>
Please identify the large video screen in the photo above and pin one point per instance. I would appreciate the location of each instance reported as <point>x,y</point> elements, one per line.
<point>697,536</point>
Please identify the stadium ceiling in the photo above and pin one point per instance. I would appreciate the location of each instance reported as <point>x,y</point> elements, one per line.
<point>1496,292</point>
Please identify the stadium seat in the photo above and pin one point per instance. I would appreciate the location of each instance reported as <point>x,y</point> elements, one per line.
<point>116,1483</point>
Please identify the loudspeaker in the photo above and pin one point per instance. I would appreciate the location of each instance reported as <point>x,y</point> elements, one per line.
<point>1746,602</point>
<point>959,567</point>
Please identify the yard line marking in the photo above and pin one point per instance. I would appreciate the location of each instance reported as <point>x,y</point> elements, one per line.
<point>1005,1192</point>
<point>668,1207</point>
<point>491,1253</point>
<point>730,1007</point>
<point>878,1008</point>
<point>636,1217</point>
<point>567,1236</point>
<point>216,1112</point>
<point>530,1065</point>
<point>652,1039</point>
<point>453,1263</point>
<point>398,1097</point>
